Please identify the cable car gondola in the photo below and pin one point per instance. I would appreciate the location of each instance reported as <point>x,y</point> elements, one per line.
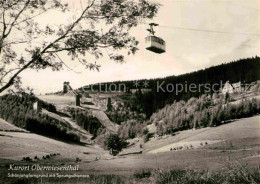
<point>154,43</point>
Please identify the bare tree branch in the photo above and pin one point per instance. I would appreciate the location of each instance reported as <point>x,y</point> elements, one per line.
<point>3,33</point>
<point>71,27</point>
<point>65,63</point>
<point>17,16</point>
<point>11,81</point>
<point>6,73</point>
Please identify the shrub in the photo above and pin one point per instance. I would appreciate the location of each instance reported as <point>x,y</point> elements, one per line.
<point>86,120</point>
<point>146,131</point>
<point>145,173</point>
<point>46,126</point>
<point>147,137</point>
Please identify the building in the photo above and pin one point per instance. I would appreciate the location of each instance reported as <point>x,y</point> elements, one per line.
<point>37,107</point>
<point>66,87</point>
<point>228,88</point>
<point>231,88</point>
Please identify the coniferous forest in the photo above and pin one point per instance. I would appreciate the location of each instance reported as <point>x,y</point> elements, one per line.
<point>243,70</point>
<point>206,111</point>
<point>18,110</point>
<point>176,108</point>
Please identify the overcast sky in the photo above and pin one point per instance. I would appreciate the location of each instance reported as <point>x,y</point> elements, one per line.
<point>186,50</point>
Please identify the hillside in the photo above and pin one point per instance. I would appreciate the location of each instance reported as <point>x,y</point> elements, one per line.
<point>104,120</point>
<point>244,128</point>
<point>169,142</point>
<point>205,111</point>
<point>131,113</point>
<point>22,144</point>
<point>237,141</point>
<point>244,70</point>
<point>66,104</point>
<point>18,110</point>
<point>5,126</point>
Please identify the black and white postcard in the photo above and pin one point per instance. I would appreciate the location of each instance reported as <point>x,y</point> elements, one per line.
<point>130,91</point>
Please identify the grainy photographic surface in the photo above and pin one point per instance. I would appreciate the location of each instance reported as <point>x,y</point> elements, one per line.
<point>129,91</point>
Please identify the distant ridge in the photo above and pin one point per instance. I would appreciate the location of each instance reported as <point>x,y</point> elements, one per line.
<point>224,71</point>
<point>244,70</point>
